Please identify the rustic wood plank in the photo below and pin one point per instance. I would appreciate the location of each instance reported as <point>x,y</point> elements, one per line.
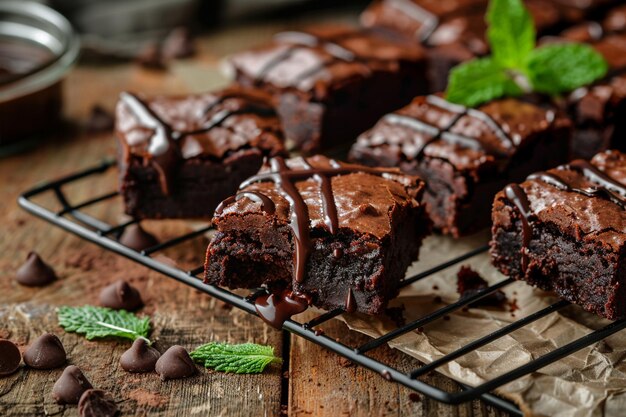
<point>322,383</point>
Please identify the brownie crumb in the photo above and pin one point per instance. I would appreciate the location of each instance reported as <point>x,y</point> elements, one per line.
<point>469,282</point>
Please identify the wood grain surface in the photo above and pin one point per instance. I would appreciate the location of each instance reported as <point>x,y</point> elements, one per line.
<point>315,382</point>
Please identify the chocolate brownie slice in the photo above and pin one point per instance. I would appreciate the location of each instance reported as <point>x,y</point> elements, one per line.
<point>465,155</point>
<point>339,235</point>
<point>181,156</point>
<point>332,83</point>
<point>565,230</point>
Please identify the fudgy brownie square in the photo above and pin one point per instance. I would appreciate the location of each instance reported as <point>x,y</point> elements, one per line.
<point>332,83</point>
<point>465,155</point>
<point>564,230</point>
<point>340,235</point>
<point>181,156</point>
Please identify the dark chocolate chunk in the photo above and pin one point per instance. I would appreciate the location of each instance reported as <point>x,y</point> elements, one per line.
<point>70,386</point>
<point>179,44</point>
<point>10,357</point>
<point>469,282</point>
<point>120,296</point>
<point>141,357</point>
<point>46,352</point>
<point>100,120</point>
<point>175,363</point>
<point>97,403</point>
<point>135,237</point>
<point>35,272</point>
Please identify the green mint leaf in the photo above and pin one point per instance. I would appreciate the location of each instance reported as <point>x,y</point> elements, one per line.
<point>246,358</point>
<point>564,67</point>
<point>100,322</point>
<point>478,81</point>
<point>511,32</point>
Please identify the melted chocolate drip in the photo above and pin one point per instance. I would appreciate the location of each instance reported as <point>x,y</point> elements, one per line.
<point>444,133</point>
<point>278,307</point>
<point>165,156</point>
<point>518,197</point>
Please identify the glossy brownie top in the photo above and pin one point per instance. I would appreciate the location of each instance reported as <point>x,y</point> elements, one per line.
<point>210,125</point>
<point>584,200</point>
<point>325,194</point>
<point>431,127</point>
<point>321,59</point>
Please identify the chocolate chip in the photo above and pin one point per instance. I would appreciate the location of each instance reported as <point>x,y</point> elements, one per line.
<point>120,296</point>
<point>135,237</point>
<point>100,120</point>
<point>175,363</point>
<point>179,44</point>
<point>10,357</point>
<point>35,272</point>
<point>70,386</point>
<point>46,352</point>
<point>97,403</point>
<point>150,57</point>
<point>140,357</point>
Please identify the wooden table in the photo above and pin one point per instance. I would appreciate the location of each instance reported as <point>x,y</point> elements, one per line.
<point>312,382</point>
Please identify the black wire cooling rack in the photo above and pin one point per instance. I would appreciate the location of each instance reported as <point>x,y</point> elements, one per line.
<point>71,218</point>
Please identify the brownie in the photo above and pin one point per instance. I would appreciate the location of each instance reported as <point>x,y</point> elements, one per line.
<point>599,110</point>
<point>332,83</point>
<point>465,155</point>
<point>339,234</point>
<point>564,230</point>
<point>181,156</point>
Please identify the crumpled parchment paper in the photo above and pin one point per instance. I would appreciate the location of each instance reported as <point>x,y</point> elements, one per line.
<point>590,382</point>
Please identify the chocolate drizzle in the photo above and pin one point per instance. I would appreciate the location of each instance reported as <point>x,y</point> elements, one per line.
<point>606,188</point>
<point>429,21</point>
<point>165,156</point>
<point>446,135</point>
<point>267,205</point>
<point>298,39</point>
<point>284,178</point>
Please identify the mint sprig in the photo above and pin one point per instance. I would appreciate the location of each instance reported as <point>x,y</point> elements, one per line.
<point>101,322</point>
<point>517,66</point>
<point>246,358</point>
